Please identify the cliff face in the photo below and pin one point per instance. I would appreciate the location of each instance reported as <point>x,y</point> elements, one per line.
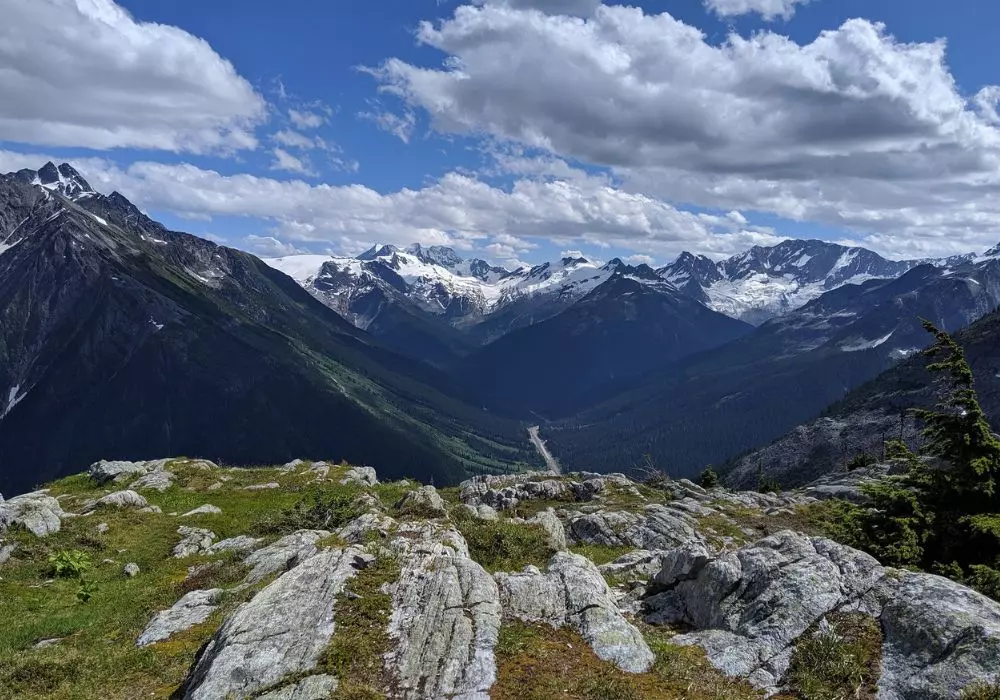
<point>178,578</point>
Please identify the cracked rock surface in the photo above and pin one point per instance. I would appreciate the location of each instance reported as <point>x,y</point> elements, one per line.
<point>194,608</point>
<point>282,631</point>
<point>573,593</point>
<point>445,621</point>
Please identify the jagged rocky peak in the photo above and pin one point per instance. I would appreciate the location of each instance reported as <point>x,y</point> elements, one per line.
<point>378,251</point>
<point>436,255</point>
<point>688,266</point>
<point>63,179</point>
<point>993,252</point>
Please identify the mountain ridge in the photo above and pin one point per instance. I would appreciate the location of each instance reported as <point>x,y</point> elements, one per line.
<point>118,336</point>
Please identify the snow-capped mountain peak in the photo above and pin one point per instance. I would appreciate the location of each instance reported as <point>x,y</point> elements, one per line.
<point>436,254</point>
<point>993,252</point>
<point>767,281</point>
<point>63,179</point>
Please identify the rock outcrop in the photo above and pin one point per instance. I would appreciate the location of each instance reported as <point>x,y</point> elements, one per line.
<point>424,501</point>
<point>194,540</point>
<point>193,609</point>
<point>444,625</point>
<point>281,632</point>
<point>118,499</point>
<point>749,608</point>
<point>659,526</point>
<point>156,480</point>
<point>573,593</point>
<point>106,471</point>
<point>283,554</point>
<point>362,476</point>
<point>37,512</point>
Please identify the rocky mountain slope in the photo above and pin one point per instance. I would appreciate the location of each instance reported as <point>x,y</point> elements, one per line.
<point>119,337</point>
<point>862,421</point>
<point>178,578</point>
<point>765,282</point>
<point>629,324</point>
<point>721,403</point>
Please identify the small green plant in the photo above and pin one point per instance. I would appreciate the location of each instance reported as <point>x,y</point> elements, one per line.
<point>862,460</point>
<point>86,590</point>
<point>709,478</point>
<point>502,545</point>
<point>981,691</point>
<point>318,509</point>
<point>68,563</point>
<point>839,663</point>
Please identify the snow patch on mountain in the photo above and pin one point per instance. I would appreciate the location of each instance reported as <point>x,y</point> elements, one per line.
<point>765,282</point>
<point>862,344</point>
<point>438,280</point>
<point>13,398</point>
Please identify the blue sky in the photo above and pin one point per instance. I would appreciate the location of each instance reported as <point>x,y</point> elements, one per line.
<point>519,129</point>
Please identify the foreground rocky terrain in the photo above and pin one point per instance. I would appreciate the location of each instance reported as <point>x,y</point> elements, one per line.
<point>182,579</point>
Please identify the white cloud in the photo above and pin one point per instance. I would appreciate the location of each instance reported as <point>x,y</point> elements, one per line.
<point>768,9</point>
<point>305,119</point>
<point>84,73</point>
<point>457,210</point>
<point>580,8</point>
<point>293,139</point>
<point>400,126</point>
<point>855,130</point>
<point>641,260</point>
<point>283,160</point>
<point>269,246</point>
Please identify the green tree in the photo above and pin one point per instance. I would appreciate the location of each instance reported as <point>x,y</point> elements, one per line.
<point>709,478</point>
<point>943,514</point>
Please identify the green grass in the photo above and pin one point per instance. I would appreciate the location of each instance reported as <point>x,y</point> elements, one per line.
<point>717,528</point>
<point>503,545</point>
<point>840,664</point>
<point>600,553</point>
<point>96,656</point>
<point>537,662</point>
<point>361,638</point>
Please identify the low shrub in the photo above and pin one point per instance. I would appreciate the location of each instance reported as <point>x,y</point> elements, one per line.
<point>503,545</point>
<point>840,663</point>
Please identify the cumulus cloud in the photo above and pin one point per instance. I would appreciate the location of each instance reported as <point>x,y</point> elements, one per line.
<point>854,129</point>
<point>457,209</point>
<point>768,9</point>
<point>580,8</point>
<point>85,73</point>
<point>293,139</point>
<point>269,246</point>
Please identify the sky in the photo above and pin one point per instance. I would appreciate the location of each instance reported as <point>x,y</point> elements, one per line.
<point>521,130</point>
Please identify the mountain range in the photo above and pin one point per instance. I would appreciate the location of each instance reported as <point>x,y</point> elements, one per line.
<point>121,338</point>
<point>714,405</point>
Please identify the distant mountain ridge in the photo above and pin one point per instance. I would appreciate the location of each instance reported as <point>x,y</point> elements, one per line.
<point>632,322</point>
<point>874,412</point>
<point>765,282</point>
<point>717,404</point>
<point>487,301</point>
